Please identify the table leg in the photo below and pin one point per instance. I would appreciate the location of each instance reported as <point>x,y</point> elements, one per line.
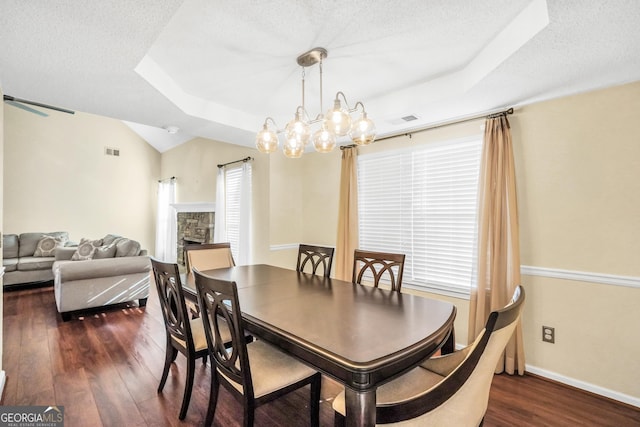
<point>360,407</point>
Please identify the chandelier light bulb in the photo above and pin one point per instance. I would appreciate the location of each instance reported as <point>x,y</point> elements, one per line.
<point>363,131</point>
<point>267,140</point>
<point>338,120</point>
<point>293,148</point>
<point>324,141</point>
<point>298,129</point>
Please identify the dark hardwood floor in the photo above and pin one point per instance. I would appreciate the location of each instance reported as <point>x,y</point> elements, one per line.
<point>104,368</point>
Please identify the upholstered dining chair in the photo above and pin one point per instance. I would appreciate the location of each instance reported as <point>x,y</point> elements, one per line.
<point>451,390</point>
<point>208,256</point>
<point>254,373</point>
<point>183,335</point>
<point>379,264</point>
<point>314,257</point>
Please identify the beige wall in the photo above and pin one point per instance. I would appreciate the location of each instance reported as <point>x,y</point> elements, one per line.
<point>194,164</point>
<point>57,177</point>
<point>578,173</point>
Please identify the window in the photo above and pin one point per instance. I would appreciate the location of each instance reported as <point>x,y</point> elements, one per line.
<point>423,202</point>
<point>237,199</point>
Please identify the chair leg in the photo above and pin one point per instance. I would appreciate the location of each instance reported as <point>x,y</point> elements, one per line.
<point>314,405</point>
<point>191,366</point>
<point>249,413</point>
<point>170,356</point>
<point>338,420</point>
<point>213,398</point>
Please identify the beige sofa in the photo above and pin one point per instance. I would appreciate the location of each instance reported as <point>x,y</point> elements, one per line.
<point>116,270</point>
<point>28,257</point>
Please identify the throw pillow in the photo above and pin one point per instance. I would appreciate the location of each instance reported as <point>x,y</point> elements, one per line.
<point>86,249</point>
<point>105,251</point>
<point>127,247</point>
<point>109,239</point>
<point>47,245</point>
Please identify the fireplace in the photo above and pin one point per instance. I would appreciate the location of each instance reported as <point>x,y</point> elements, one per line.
<point>194,224</point>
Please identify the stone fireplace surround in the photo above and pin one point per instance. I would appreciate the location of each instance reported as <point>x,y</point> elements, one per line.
<point>194,223</point>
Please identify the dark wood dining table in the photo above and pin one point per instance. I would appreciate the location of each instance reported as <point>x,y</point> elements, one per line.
<point>357,334</point>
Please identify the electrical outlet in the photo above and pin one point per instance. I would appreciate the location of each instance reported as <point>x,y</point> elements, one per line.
<point>549,334</point>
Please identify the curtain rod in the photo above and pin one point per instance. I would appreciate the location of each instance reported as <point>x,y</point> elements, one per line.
<point>492,115</point>
<point>167,179</point>
<point>246,159</point>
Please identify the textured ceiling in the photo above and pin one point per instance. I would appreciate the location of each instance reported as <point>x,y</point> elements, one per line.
<point>216,69</point>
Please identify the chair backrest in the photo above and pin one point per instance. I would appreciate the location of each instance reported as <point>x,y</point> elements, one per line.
<point>469,384</point>
<point>315,256</point>
<point>220,308</point>
<point>379,264</point>
<point>172,304</point>
<point>208,256</point>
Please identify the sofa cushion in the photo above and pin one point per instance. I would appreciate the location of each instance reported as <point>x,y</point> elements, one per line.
<point>47,246</point>
<point>109,239</point>
<point>10,264</point>
<point>29,241</point>
<point>86,249</point>
<point>10,246</point>
<point>105,251</point>
<point>127,247</point>
<point>30,263</point>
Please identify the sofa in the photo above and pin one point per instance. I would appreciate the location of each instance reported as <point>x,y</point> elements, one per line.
<point>100,272</point>
<point>29,257</point>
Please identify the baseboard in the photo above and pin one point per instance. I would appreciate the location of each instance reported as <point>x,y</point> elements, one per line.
<point>3,380</point>
<point>611,394</point>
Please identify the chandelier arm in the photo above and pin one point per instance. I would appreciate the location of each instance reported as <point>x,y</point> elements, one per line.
<point>355,108</point>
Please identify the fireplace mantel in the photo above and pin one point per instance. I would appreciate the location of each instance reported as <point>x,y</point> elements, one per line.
<point>194,207</point>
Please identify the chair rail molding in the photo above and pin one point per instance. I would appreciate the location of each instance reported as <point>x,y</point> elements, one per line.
<point>582,276</point>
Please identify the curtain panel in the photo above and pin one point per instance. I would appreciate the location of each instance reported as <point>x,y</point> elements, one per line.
<point>347,240</point>
<point>498,269</point>
<point>165,223</point>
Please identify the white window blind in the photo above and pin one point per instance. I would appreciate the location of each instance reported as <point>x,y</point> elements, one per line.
<point>233,182</point>
<point>423,202</point>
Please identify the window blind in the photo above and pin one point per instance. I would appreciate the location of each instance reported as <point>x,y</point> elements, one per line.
<point>233,182</point>
<point>423,202</point>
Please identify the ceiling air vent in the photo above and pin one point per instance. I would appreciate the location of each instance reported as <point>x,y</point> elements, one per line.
<point>403,120</point>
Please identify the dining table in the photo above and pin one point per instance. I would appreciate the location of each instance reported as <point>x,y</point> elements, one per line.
<point>359,335</point>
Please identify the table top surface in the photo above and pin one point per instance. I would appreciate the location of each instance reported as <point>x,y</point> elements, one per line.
<point>342,328</point>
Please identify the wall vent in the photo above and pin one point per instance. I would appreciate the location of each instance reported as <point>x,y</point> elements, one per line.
<point>110,151</point>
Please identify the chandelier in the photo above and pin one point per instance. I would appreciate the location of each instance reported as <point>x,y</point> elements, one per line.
<point>337,122</point>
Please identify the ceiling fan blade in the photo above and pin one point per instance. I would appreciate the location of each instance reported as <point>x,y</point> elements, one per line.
<point>10,99</point>
<point>27,108</point>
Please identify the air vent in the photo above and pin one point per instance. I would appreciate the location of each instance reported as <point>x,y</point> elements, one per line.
<point>110,151</point>
<point>403,120</point>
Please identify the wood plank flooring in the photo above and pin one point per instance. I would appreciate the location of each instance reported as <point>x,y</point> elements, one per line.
<point>104,368</point>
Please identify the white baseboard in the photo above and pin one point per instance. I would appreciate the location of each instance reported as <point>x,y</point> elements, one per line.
<point>3,380</point>
<point>611,394</point>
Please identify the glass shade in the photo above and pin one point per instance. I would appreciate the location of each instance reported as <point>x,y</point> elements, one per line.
<point>299,130</point>
<point>267,140</point>
<point>363,131</point>
<point>293,148</point>
<point>338,120</point>
<point>324,141</point>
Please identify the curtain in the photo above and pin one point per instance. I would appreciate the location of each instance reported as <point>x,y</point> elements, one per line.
<point>244,232</point>
<point>348,239</point>
<point>166,224</point>
<point>498,270</point>
<point>220,222</point>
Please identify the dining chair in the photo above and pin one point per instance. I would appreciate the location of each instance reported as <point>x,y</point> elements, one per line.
<point>379,264</point>
<point>208,256</point>
<point>315,256</point>
<point>254,373</point>
<point>448,390</point>
<point>184,335</point>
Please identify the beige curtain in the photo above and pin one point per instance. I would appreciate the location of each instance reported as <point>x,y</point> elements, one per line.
<point>498,239</point>
<point>348,238</point>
